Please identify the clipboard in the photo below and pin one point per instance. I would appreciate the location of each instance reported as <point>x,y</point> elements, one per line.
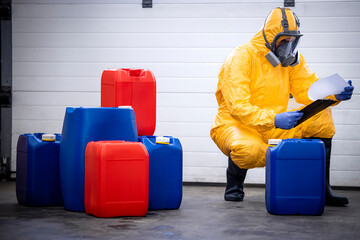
<point>314,108</point>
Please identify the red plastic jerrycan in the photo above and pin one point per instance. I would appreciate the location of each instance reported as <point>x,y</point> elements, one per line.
<point>116,179</point>
<point>132,87</point>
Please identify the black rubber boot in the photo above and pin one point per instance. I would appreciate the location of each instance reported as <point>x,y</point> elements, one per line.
<point>331,199</point>
<point>235,177</point>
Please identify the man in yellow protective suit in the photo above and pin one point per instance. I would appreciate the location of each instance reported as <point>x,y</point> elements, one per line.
<point>253,91</point>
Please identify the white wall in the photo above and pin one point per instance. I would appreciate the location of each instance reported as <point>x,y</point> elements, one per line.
<point>60,48</point>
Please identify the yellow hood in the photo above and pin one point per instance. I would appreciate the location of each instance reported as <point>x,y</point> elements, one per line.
<point>272,27</point>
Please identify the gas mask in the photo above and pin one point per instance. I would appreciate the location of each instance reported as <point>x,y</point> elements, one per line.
<point>283,49</point>
<point>287,52</point>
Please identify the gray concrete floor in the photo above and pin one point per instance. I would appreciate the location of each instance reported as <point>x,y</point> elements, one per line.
<point>203,215</point>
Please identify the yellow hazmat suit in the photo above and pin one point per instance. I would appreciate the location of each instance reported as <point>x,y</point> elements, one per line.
<point>251,92</point>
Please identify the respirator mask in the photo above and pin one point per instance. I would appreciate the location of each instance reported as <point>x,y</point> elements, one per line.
<point>283,49</point>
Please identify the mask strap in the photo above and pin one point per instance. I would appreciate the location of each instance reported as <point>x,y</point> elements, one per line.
<point>297,20</point>
<point>284,22</point>
<point>266,41</point>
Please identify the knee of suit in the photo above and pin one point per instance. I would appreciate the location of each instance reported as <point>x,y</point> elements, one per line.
<point>248,154</point>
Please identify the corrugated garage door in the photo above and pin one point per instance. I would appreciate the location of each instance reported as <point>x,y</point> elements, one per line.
<point>60,48</point>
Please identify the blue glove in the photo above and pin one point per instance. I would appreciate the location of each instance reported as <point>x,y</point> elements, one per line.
<point>346,94</point>
<point>287,120</point>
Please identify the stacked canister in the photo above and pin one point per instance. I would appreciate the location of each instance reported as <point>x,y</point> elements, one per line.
<point>148,171</point>
<point>107,163</point>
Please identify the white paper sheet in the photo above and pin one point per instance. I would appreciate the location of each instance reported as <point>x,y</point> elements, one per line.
<point>327,86</point>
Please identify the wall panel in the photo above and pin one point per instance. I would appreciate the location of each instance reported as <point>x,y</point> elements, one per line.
<point>61,47</point>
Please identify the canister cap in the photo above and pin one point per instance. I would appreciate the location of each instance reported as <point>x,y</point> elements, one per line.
<point>48,137</point>
<point>136,72</point>
<point>162,140</point>
<point>274,141</point>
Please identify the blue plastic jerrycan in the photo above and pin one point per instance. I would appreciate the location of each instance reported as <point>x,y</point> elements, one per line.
<point>295,177</point>
<point>81,126</point>
<point>165,171</point>
<point>37,170</point>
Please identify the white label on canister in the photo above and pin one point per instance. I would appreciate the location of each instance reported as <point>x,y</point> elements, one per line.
<point>48,137</point>
<point>163,140</point>
<point>274,141</point>
<point>125,107</point>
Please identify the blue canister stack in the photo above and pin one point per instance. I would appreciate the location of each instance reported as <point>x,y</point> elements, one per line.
<point>295,177</point>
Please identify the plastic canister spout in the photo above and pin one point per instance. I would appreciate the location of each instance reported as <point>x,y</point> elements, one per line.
<point>274,142</point>
<point>136,72</point>
<point>48,137</point>
<point>162,140</point>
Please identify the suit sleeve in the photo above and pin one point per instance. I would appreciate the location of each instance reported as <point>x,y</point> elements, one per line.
<point>301,78</point>
<point>235,76</point>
